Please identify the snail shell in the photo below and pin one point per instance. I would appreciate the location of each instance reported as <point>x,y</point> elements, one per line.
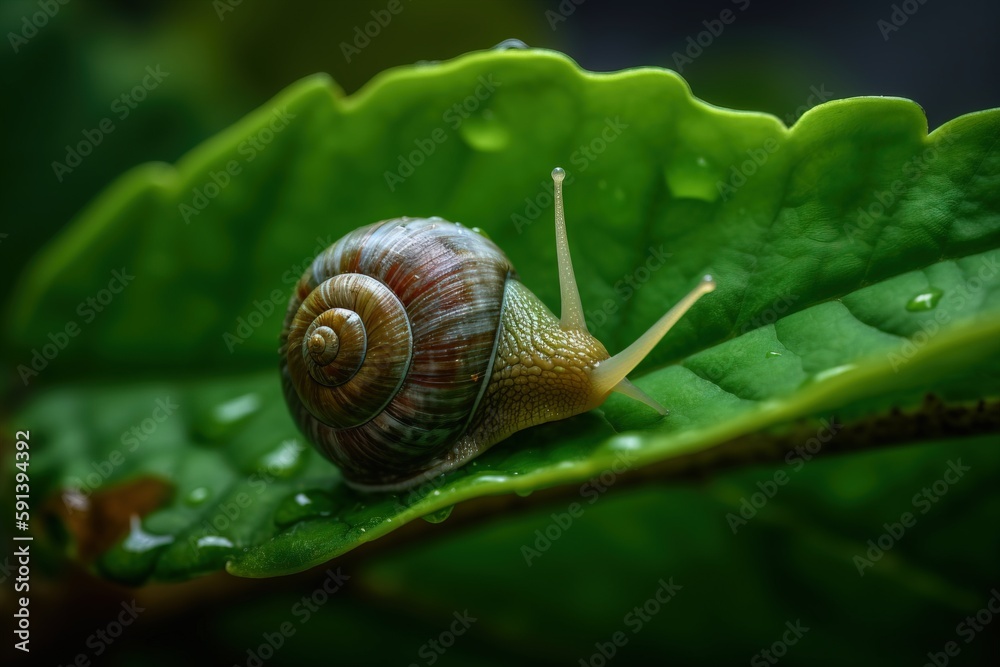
<point>410,347</point>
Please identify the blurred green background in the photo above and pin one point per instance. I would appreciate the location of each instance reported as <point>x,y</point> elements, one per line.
<point>227,57</point>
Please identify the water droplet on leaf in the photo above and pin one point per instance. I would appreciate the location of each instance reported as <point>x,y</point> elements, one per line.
<point>926,300</point>
<point>214,541</point>
<point>301,506</point>
<point>197,496</point>
<point>226,418</point>
<point>625,442</point>
<point>510,45</point>
<point>139,541</point>
<point>285,460</point>
<point>772,355</point>
<point>489,479</point>
<point>484,133</point>
<point>690,177</point>
<point>832,372</point>
<point>438,516</point>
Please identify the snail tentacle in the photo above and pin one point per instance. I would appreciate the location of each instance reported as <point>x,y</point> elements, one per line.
<point>573,316</point>
<point>612,372</point>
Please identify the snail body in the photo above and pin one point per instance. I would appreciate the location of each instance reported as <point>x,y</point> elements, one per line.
<point>410,346</point>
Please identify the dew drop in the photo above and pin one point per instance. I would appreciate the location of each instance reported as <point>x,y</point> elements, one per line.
<point>139,541</point>
<point>772,355</point>
<point>833,372</point>
<point>214,541</point>
<point>285,460</point>
<point>438,516</point>
<point>626,443</point>
<point>197,496</point>
<point>481,232</point>
<point>485,133</point>
<point>490,479</point>
<point>75,501</point>
<point>301,506</point>
<point>691,177</point>
<point>524,493</point>
<point>510,45</point>
<point>224,419</point>
<point>926,300</point>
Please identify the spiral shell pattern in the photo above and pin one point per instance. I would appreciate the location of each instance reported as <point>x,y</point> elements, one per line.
<point>388,343</point>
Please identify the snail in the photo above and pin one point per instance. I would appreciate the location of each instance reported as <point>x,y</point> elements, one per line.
<point>410,347</point>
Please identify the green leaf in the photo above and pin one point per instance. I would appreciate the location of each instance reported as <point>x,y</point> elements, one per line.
<point>856,255</point>
<point>793,559</point>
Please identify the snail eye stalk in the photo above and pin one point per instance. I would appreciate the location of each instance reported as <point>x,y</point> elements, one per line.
<point>611,374</point>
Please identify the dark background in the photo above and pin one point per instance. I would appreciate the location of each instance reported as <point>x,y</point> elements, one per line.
<point>772,58</point>
<point>946,57</point>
